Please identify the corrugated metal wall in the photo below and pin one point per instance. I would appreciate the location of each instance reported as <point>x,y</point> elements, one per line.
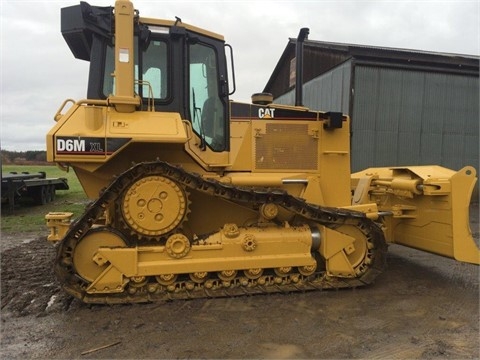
<point>403,117</point>
<point>400,116</point>
<point>328,92</point>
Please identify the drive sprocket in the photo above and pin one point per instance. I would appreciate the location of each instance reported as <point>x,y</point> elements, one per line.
<point>152,206</point>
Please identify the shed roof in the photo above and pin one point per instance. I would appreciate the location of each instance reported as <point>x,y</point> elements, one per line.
<point>321,56</point>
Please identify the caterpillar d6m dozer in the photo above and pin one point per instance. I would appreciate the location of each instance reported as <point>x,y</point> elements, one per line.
<point>194,195</point>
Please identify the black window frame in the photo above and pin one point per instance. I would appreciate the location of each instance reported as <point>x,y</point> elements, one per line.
<point>222,88</point>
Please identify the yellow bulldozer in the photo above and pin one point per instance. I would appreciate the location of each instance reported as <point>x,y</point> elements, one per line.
<point>194,195</point>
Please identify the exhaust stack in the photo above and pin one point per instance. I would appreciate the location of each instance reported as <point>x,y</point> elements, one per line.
<point>302,36</point>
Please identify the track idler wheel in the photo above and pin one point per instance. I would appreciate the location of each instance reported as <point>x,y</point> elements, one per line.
<point>86,264</point>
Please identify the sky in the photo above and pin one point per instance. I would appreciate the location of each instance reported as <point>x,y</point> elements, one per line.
<point>38,71</point>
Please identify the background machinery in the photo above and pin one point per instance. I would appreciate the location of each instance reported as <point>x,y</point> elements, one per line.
<point>195,195</point>
<point>31,185</point>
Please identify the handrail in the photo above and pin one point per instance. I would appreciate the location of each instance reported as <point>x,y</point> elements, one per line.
<point>58,114</point>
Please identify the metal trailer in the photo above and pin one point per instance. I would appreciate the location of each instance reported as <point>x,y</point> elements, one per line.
<point>33,185</point>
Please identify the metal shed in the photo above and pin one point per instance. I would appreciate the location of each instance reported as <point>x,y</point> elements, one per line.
<point>407,107</point>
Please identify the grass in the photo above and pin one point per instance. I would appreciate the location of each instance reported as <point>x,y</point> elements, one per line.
<point>28,218</point>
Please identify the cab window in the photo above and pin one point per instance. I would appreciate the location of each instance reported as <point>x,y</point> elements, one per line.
<point>206,108</point>
<point>154,71</point>
<point>150,72</point>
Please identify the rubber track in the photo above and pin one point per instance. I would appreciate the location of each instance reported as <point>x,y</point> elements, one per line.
<point>327,216</point>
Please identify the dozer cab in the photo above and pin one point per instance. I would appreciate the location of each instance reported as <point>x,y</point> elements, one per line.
<point>195,195</point>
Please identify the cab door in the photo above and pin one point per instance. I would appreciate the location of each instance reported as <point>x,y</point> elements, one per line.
<point>208,99</point>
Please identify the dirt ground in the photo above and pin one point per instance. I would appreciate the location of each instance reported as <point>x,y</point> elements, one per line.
<point>422,307</point>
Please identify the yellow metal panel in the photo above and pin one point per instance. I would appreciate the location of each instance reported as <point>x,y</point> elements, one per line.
<point>150,124</point>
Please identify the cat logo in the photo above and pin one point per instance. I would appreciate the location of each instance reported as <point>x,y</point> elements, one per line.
<point>266,113</point>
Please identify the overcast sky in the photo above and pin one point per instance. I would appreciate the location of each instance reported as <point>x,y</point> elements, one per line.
<point>38,71</point>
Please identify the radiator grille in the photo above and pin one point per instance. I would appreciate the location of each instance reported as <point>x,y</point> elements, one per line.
<point>286,146</point>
